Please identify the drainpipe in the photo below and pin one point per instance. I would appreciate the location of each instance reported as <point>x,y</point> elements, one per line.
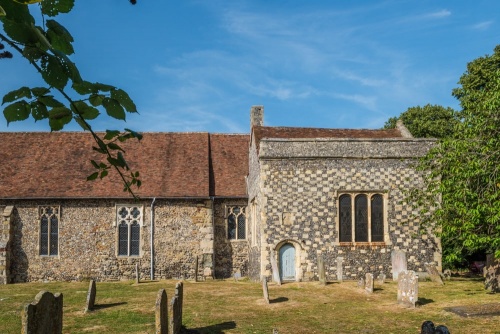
<point>152,239</point>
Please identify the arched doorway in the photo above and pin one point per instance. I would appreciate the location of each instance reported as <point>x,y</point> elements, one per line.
<point>287,262</point>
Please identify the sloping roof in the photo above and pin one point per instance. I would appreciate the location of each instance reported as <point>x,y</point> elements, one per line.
<point>55,165</point>
<point>261,132</point>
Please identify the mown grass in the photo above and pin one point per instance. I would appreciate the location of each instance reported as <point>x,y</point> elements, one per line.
<point>239,307</point>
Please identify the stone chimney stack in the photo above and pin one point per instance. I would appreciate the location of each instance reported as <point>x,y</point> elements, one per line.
<point>256,116</point>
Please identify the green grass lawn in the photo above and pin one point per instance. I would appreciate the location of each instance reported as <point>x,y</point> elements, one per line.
<point>239,307</point>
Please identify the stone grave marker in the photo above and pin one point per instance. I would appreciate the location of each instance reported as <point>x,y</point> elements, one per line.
<point>369,283</point>
<point>175,312</point>
<point>274,267</point>
<point>265,290</point>
<point>44,315</point>
<point>179,292</point>
<point>196,269</point>
<point>361,283</point>
<point>340,272</point>
<point>137,278</point>
<point>398,259</point>
<point>407,288</point>
<point>433,273</point>
<point>321,270</point>
<point>381,278</point>
<point>91,296</point>
<point>161,312</point>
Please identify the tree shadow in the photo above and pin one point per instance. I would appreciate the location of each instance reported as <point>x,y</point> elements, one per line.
<point>278,300</point>
<point>103,306</point>
<point>377,289</point>
<point>213,329</point>
<point>424,301</point>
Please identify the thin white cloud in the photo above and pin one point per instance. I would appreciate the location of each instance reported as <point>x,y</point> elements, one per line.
<point>482,25</point>
<point>437,15</point>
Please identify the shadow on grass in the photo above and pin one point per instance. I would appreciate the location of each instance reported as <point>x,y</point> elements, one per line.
<point>214,329</point>
<point>103,306</point>
<point>424,301</point>
<point>278,300</point>
<point>377,289</point>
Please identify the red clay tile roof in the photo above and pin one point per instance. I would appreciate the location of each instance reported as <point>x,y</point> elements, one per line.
<point>55,165</point>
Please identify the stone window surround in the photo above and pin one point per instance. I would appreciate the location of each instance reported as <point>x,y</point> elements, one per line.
<point>226,222</point>
<point>368,193</point>
<point>141,233</point>
<point>58,207</point>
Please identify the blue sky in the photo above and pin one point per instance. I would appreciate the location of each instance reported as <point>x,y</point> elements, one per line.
<point>200,65</point>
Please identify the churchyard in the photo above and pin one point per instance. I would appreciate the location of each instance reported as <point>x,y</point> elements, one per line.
<point>239,307</point>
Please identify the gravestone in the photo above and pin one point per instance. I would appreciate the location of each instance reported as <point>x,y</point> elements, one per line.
<point>175,312</point>
<point>161,312</point>
<point>321,270</point>
<point>407,288</point>
<point>179,292</point>
<point>398,259</point>
<point>433,273</point>
<point>361,283</point>
<point>137,278</point>
<point>274,267</point>
<point>340,273</point>
<point>369,283</point>
<point>44,315</point>
<point>381,278</point>
<point>265,290</point>
<point>196,269</point>
<point>91,296</point>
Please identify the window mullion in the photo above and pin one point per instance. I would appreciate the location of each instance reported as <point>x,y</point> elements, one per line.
<point>369,217</point>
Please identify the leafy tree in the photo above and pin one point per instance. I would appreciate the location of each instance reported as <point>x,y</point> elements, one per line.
<point>429,121</point>
<point>464,170</point>
<point>66,97</point>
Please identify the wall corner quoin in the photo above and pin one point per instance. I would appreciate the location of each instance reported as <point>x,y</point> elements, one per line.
<point>6,236</point>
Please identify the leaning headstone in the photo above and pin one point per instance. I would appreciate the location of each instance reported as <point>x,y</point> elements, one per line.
<point>361,283</point>
<point>321,270</point>
<point>179,292</point>
<point>91,296</point>
<point>340,274</point>
<point>381,278</point>
<point>44,315</point>
<point>369,283</point>
<point>137,278</point>
<point>265,290</point>
<point>276,273</point>
<point>407,288</point>
<point>196,269</point>
<point>161,312</point>
<point>398,259</point>
<point>433,273</point>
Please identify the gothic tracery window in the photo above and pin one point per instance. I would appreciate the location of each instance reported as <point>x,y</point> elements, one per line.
<point>49,230</point>
<point>129,222</point>
<point>236,222</point>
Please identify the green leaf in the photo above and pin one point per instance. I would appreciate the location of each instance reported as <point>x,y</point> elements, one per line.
<point>84,87</point>
<point>82,124</point>
<point>53,72</point>
<point>122,97</point>
<point>50,101</point>
<point>96,99</point>
<point>69,67</point>
<point>39,91</point>
<point>59,117</point>
<point>115,147</point>
<point>16,12</point>
<point>113,108</point>
<point>104,173</point>
<point>92,176</point>
<point>96,166</point>
<point>59,37</point>
<point>110,134</point>
<point>54,7</point>
<point>84,110</point>
<point>134,134</point>
<point>33,53</point>
<point>103,87</point>
<point>17,111</point>
<point>39,110</point>
<point>42,39</point>
<point>20,31</point>
<point>17,94</point>
<point>2,12</point>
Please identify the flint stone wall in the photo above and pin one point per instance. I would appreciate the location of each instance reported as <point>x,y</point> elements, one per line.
<point>88,240</point>
<point>299,184</point>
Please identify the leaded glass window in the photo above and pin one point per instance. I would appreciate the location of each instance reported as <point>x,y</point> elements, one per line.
<point>345,215</point>
<point>236,222</point>
<point>361,220</point>
<point>129,222</point>
<point>377,211</point>
<point>49,231</point>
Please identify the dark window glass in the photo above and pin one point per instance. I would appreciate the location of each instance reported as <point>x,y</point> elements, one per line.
<point>54,234</point>
<point>377,216</point>
<point>241,226</point>
<point>135,212</point>
<point>361,218</point>
<point>134,238</point>
<point>44,236</point>
<point>123,239</point>
<point>345,218</point>
<point>231,227</point>
<point>123,212</point>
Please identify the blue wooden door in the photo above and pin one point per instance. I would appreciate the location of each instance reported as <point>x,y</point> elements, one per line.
<point>287,262</point>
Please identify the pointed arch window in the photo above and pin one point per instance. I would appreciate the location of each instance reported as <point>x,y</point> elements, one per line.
<point>129,223</point>
<point>236,222</point>
<point>49,230</point>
